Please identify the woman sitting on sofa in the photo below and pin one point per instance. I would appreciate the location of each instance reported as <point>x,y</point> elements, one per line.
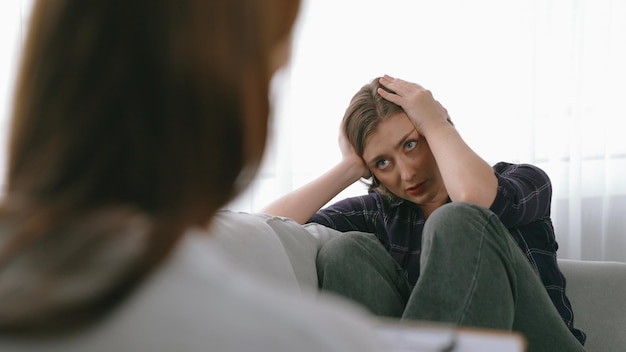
<point>448,227</point>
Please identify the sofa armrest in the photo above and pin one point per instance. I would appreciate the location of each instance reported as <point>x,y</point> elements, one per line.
<point>321,233</point>
<point>277,248</point>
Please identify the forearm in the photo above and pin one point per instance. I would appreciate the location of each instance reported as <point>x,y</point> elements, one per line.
<point>466,175</point>
<point>305,201</point>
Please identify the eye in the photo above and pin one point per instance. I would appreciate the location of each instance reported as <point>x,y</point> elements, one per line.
<point>382,164</point>
<point>410,145</point>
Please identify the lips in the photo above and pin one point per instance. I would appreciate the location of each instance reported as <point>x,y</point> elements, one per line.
<point>417,189</point>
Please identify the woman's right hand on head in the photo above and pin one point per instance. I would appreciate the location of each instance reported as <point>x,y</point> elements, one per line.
<point>350,156</point>
<point>418,103</point>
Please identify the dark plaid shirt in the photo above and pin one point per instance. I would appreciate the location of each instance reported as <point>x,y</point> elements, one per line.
<point>522,204</point>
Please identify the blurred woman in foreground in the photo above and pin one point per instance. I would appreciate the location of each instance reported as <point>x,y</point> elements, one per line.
<point>133,123</point>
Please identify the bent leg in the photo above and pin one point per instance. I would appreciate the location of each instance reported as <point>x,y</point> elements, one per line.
<point>474,274</point>
<point>357,266</point>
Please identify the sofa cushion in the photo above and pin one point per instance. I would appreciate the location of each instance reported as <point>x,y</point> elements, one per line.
<point>597,291</point>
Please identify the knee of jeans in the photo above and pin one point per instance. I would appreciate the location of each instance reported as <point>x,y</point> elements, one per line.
<point>457,212</point>
<point>454,219</point>
<point>346,245</point>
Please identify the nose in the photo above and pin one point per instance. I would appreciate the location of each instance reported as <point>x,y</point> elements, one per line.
<point>407,172</point>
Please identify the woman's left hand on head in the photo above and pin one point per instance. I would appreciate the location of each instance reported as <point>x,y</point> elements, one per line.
<point>418,103</point>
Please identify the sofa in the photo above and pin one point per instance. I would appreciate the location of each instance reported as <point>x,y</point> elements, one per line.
<point>283,251</point>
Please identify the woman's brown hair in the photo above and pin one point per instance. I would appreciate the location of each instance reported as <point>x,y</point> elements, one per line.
<point>133,120</point>
<point>362,117</point>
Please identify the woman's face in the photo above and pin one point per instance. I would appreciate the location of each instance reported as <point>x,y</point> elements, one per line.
<point>400,158</point>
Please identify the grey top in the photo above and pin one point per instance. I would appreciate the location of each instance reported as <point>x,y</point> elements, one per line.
<point>198,301</point>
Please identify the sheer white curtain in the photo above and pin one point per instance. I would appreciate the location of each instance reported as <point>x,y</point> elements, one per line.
<point>535,81</point>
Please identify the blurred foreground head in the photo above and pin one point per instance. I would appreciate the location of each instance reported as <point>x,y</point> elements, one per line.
<point>133,120</point>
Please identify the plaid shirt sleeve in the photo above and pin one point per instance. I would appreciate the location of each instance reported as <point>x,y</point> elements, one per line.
<point>351,214</point>
<point>524,194</point>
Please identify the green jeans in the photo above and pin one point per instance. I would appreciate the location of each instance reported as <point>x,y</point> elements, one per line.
<point>472,274</point>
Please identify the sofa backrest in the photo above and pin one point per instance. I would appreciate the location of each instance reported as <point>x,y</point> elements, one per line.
<point>597,291</point>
